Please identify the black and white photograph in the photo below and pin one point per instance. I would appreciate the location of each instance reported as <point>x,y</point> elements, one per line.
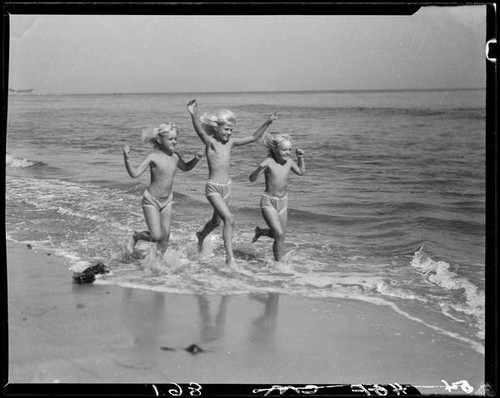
<point>290,200</point>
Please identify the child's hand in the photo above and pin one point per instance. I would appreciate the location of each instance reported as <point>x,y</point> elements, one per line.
<point>192,107</point>
<point>299,153</point>
<point>274,116</point>
<point>198,155</point>
<point>126,150</point>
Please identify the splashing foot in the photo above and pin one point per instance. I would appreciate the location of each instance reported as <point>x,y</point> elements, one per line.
<point>231,263</point>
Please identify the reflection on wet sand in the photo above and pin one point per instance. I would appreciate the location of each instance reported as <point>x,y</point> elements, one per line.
<point>262,329</point>
<point>144,315</point>
<point>212,328</point>
<point>145,319</point>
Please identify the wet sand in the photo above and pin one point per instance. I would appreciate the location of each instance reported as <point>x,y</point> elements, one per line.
<point>60,332</point>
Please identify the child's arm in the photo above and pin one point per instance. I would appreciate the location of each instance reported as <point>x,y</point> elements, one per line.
<point>181,164</point>
<point>193,111</point>
<point>258,133</point>
<point>135,172</point>
<point>299,168</point>
<point>264,165</point>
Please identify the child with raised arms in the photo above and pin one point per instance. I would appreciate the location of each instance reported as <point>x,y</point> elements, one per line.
<point>215,132</point>
<point>274,201</point>
<point>163,161</point>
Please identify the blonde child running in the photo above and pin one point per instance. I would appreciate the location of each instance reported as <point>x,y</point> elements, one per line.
<point>163,162</point>
<point>215,132</point>
<point>274,200</point>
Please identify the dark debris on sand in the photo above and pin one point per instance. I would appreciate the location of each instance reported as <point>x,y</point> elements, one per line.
<point>194,349</point>
<point>88,274</point>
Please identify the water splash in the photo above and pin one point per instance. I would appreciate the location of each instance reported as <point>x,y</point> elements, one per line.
<point>167,263</point>
<point>16,162</point>
<point>439,273</point>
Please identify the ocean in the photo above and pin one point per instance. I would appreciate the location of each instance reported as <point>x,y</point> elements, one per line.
<point>391,210</point>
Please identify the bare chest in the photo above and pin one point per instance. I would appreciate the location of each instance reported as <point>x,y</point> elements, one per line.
<point>218,153</point>
<point>278,172</point>
<point>164,165</point>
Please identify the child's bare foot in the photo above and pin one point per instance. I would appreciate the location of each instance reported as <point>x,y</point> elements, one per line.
<point>258,233</point>
<point>230,262</point>
<point>161,247</point>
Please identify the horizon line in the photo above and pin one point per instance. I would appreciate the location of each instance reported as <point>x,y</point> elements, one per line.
<point>34,92</point>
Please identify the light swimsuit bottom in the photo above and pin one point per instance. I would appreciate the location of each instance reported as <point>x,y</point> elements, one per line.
<point>280,204</point>
<point>150,200</point>
<point>215,188</point>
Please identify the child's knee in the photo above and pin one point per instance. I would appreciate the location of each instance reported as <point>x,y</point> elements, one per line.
<point>155,236</point>
<point>229,220</point>
<point>279,234</point>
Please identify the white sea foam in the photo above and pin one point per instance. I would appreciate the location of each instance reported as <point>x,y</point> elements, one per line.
<point>167,263</point>
<point>16,162</point>
<point>386,289</point>
<point>77,263</point>
<point>439,273</point>
<point>474,344</point>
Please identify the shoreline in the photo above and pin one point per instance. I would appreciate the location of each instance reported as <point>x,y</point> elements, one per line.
<point>99,333</point>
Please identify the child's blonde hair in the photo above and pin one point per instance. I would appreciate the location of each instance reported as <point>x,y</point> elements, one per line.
<point>210,122</point>
<point>271,141</point>
<point>150,136</point>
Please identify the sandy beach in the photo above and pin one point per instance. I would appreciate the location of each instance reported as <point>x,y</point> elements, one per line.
<point>60,332</point>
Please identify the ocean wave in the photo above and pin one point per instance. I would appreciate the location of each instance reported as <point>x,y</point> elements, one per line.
<point>373,110</point>
<point>452,223</point>
<point>438,273</point>
<point>17,162</point>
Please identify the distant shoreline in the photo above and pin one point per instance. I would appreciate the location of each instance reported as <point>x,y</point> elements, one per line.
<point>31,91</point>
<point>25,91</point>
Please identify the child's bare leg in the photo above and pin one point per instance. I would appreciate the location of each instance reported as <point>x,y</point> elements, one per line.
<point>143,235</point>
<point>273,220</point>
<point>261,232</point>
<point>283,216</point>
<point>227,217</point>
<point>154,222</point>
<point>133,240</point>
<point>227,234</point>
<point>165,218</point>
<point>213,223</point>
<point>278,245</point>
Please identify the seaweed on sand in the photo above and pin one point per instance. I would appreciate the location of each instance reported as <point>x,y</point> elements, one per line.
<point>88,274</point>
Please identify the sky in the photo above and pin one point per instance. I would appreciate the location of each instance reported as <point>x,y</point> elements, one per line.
<point>438,47</point>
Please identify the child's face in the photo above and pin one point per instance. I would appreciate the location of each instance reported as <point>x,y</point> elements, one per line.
<point>168,141</point>
<point>283,151</point>
<point>224,131</point>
